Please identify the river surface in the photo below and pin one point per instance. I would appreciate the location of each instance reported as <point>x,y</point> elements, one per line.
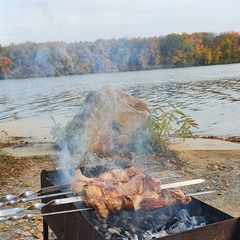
<point>210,94</point>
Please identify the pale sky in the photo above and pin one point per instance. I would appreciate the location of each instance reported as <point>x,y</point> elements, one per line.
<point>89,20</point>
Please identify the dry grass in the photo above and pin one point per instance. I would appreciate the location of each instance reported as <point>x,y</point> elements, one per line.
<point>11,166</point>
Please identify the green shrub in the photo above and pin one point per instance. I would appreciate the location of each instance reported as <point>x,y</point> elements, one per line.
<point>164,125</point>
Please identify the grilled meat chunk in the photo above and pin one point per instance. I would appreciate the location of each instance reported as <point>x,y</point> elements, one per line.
<point>165,198</point>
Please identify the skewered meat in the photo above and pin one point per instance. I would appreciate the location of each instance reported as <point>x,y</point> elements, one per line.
<point>92,192</point>
<point>106,177</point>
<point>120,175</point>
<point>99,205</point>
<point>165,198</point>
<point>152,184</point>
<point>132,203</point>
<point>128,189</point>
<point>113,198</point>
<point>133,186</point>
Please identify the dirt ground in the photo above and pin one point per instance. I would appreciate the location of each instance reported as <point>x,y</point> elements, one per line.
<point>220,169</point>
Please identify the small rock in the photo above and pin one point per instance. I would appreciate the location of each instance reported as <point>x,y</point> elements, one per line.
<point>5,235</point>
<point>26,233</point>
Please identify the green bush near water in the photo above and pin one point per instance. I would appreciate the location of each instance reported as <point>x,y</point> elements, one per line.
<point>162,126</point>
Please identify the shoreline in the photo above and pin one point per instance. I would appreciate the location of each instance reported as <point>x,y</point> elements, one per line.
<point>32,137</point>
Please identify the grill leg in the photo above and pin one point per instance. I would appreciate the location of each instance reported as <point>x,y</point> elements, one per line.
<point>45,230</point>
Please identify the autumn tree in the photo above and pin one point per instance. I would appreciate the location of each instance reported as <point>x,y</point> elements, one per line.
<point>5,64</point>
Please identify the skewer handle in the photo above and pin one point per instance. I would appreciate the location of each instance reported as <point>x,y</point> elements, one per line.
<point>36,206</point>
<point>181,184</point>
<point>41,191</point>
<point>30,216</point>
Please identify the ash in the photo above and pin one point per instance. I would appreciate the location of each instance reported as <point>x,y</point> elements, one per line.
<point>140,225</point>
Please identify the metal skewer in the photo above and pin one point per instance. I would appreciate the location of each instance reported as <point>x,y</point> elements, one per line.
<point>30,216</point>
<point>199,193</point>
<point>182,184</point>
<point>37,206</point>
<point>41,191</point>
<point>24,200</point>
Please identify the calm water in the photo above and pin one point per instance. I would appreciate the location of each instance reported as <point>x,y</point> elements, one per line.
<point>210,95</point>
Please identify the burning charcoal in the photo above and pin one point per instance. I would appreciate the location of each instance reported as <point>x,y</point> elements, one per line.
<point>148,235</point>
<point>186,219</point>
<point>198,221</point>
<point>186,222</point>
<point>163,219</point>
<point>103,228</point>
<point>145,225</point>
<point>115,218</point>
<point>103,221</point>
<point>135,237</point>
<point>177,227</point>
<point>130,237</point>
<point>124,222</point>
<point>115,232</point>
<point>133,228</point>
<point>125,214</point>
<point>92,172</point>
<point>108,236</point>
<point>116,237</point>
<point>149,217</point>
<point>158,227</point>
<point>95,222</point>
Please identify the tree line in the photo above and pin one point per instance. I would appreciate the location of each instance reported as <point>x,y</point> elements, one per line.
<point>33,59</point>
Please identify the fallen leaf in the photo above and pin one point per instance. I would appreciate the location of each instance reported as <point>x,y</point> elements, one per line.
<point>221,192</point>
<point>210,188</point>
<point>27,228</point>
<point>40,236</point>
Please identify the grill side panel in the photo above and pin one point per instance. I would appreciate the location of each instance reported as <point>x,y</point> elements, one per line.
<point>67,226</point>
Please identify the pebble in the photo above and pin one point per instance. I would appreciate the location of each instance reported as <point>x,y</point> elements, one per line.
<point>8,223</point>
<point>5,235</point>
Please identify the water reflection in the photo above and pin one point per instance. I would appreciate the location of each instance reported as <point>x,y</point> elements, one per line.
<point>209,94</point>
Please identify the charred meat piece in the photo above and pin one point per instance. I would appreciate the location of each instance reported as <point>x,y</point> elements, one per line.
<point>113,198</point>
<point>133,171</point>
<point>99,205</point>
<point>93,192</point>
<point>120,175</point>
<point>175,196</point>
<point>77,188</point>
<point>132,203</point>
<point>132,187</point>
<point>153,203</point>
<point>152,184</point>
<point>107,177</point>
<point>166,198</point>
<point>80,177</point>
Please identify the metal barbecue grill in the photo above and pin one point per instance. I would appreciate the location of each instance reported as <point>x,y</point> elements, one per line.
<point>85,226</point>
